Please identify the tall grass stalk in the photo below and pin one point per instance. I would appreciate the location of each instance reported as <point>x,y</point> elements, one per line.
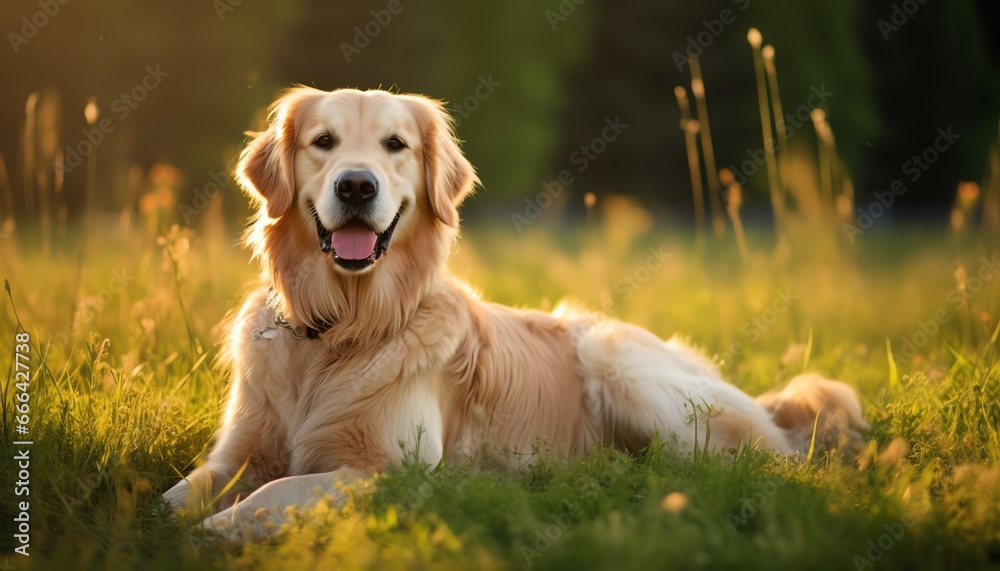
<point>755,39</point>
<point>779,117</point>
<point>589,202</point>
<point>698,91</point>
<point>62,211</point>
<point>28,177</point>
<point>734,199</point>
<point>690,128</point>
<point>991,199</point>
<point>91,113</point>
<point>6,192</point>
<point>826,154</point>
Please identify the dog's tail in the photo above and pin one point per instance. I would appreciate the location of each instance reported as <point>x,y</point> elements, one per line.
<point>811,404</point>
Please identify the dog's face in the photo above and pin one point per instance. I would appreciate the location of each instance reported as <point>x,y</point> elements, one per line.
<point>365,169</point>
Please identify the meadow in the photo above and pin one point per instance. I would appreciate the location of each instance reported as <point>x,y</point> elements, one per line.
<point>121,312</point>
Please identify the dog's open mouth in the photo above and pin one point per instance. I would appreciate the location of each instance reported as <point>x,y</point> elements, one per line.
<point>355,245</point>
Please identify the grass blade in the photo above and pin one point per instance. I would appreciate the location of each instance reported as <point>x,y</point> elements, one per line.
<point>808,352</point>
<point>190,372</point>
<point>812,441</point>
<point>893,373</point>
<point>959,359</point>
<point>232,482</point>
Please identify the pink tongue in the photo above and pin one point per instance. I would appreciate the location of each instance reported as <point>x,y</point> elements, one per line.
<point>354,243</point>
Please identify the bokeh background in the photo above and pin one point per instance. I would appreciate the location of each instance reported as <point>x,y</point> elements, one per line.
<point>556,70</point>
<point>121,265</point>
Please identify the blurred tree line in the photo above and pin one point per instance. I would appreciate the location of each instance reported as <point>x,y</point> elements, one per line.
<point>531,83</point>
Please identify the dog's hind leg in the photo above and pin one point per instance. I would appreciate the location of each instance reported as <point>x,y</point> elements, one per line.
<point>636,385</point>
<point>811,403</point>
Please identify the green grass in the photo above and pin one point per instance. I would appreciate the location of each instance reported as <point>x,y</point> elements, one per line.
<point>131,399</point>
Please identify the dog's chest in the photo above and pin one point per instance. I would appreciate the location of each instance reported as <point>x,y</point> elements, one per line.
<point>358,409</point>
<point>323,407</point>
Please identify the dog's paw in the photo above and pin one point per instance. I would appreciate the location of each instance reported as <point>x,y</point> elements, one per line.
<point>179,498</point>
<point>811,404</point>
<point>241,524</point>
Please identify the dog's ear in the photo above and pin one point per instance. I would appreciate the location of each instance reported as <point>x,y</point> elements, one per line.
<point>449,175</point>
<point>266,169</point>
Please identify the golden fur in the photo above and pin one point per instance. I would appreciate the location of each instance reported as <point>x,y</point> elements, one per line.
<point>411,359</point>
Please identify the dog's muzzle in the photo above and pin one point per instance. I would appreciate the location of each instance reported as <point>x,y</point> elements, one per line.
<point>355,245</point>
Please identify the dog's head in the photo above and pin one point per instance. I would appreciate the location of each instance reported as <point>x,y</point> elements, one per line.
<point>357,198</point>
<point>364,169</point>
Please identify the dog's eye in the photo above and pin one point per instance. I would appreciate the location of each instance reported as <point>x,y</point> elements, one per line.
<point>324,141</point>
<point>394,143</point>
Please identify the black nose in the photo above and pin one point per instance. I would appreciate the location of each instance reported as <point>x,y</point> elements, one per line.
<point>357,188</point>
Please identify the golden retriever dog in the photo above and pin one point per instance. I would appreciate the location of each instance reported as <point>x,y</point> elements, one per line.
<point>358,348</point>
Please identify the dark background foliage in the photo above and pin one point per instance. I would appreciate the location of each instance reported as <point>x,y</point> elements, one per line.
<point>562,68</point>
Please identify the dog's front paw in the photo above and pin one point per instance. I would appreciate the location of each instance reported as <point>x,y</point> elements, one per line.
<point>180,497</point>
<point>242,524</point>
<point>192,494</point>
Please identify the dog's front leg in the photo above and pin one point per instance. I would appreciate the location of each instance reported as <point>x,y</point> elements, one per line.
<point>201,491</point>
<point>262,514</point>
<point>250,443</point>
<point>242,459</point>
<point>195,491</point>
